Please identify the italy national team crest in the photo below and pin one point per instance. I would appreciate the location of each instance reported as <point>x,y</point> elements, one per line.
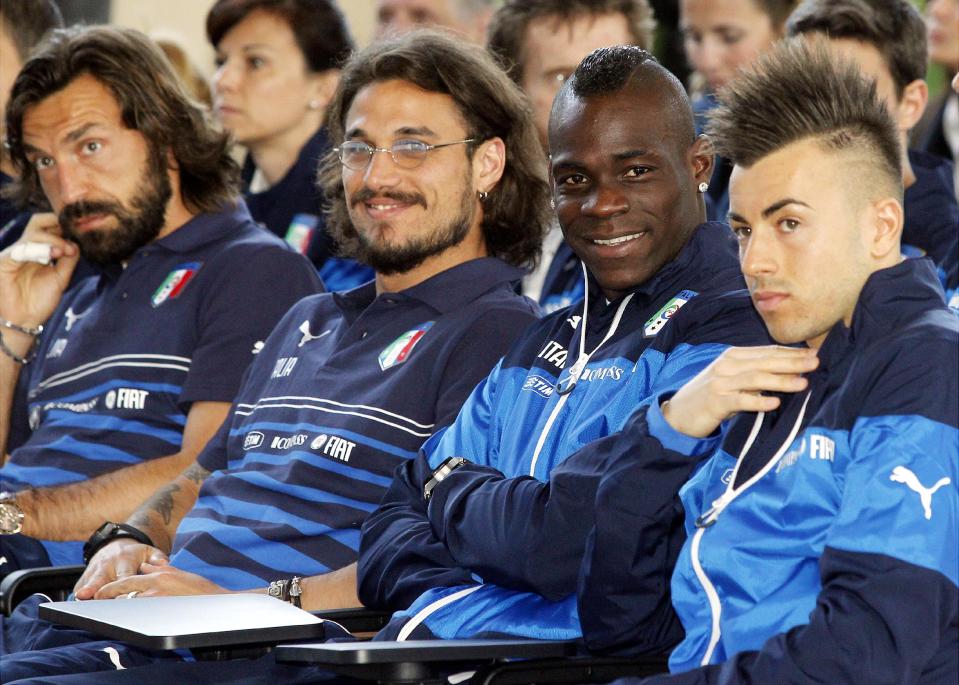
<point>399,350</point>
<point>656,322</point>
<point>300,231</point>
<point>175,283</point>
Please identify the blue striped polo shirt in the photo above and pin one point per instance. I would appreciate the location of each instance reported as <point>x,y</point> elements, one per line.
<point>128,351</point>
<point>347,387</point>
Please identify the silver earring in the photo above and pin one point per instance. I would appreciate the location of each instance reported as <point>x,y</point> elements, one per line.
<point>552,203</point>
<point>482,195</point>
<point>703,187</point>
<point>314,104</point>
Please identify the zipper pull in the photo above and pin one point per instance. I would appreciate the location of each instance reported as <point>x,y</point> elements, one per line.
<point>570,377</point>
<point>711,515</point>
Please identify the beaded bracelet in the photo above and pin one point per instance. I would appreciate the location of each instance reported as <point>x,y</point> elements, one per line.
<point>21,329</point>
<point>32,353</point>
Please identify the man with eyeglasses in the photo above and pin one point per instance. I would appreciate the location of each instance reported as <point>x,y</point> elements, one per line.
<point>437,185</point>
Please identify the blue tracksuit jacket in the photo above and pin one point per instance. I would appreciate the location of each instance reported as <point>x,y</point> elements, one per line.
<point>492,553</point>
<point>827,551</point>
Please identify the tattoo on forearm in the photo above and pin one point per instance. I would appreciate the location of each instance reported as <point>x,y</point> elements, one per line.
<point>162,502</point>
<point>196,473</point>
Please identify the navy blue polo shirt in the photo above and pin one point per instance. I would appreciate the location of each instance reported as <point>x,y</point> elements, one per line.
<point>347,387</point>
<point>127,352</point>
<point>292,208</point>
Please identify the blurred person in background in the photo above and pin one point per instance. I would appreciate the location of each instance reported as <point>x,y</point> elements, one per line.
<point>721,37</point>
<point>938,132</point>
<point>23,24</point>
<point>191,77</point>
<point>277,68</point>
<point>468,18</point>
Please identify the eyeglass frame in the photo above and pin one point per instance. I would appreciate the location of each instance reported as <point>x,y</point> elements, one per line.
<point>373,150</point>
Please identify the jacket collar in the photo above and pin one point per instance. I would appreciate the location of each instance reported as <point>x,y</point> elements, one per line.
<point>709,249</point>
<point>890,298</point>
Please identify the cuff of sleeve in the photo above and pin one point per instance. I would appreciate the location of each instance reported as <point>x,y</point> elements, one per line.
<point>672,439</point>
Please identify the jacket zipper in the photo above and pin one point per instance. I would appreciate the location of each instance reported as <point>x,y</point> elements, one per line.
<point>577,367</point>
<point>711,515</point>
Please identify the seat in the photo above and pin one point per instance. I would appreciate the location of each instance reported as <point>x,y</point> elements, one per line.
<point>56,582</point>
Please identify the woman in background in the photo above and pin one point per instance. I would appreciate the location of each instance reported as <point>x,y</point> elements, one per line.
<point>720,38</point>
<point>277,69</point>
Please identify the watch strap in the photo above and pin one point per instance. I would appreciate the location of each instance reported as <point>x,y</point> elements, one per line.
<point>112,531</point>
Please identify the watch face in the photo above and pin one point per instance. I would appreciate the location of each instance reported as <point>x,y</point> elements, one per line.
<point>10,518</point>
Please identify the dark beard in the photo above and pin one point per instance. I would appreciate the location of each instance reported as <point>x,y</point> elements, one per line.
<point>136,226</point>
<point>392,259</point>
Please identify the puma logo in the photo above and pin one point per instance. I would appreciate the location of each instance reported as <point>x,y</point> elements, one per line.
<point>114,657</point>
<point>307,336</point>
<point>901,474</point>
<point>73,318</point>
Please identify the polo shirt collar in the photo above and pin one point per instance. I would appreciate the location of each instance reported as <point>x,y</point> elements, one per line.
<point>446,291</point>
<point>201,230</point>
<point>205,228</point>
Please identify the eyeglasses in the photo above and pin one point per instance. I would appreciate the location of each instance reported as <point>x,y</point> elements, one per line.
<point>407,154</point>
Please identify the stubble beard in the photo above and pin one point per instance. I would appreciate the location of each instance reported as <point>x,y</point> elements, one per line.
<point>136,226</point>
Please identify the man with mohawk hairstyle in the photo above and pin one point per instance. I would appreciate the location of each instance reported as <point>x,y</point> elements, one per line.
<point>822,529</point>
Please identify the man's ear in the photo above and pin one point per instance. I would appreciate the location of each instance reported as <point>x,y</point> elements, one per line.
<point>883,241</point>
<point>489,161</point>
<point>701,158</point>
<point>912,104</point>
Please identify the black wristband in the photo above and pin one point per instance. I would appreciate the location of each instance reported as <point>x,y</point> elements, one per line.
<point>112,531</point>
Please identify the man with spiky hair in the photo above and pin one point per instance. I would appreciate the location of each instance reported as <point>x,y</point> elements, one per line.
<point>887,40</point>
<point>822,530</point>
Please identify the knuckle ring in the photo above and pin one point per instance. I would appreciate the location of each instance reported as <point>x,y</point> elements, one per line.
<point>134,593</point>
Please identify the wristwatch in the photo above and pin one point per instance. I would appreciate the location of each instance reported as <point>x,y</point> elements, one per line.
<point>11,515</point>
<point>112,531</point>
<point>440,474</point>
<point>286,591</point>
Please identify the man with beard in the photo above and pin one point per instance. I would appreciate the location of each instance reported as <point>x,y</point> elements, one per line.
<point>136,366</point>
<point>438,184</point>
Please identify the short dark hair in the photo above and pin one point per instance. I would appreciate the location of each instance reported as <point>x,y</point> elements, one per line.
<point>318,26</point>
<point>894,27</point>
<point>796,92</point>
<point>516,213</point>
<point>607,70</point>
<point>26,22</point>
<point>151,99</point>
<point>507,31</point>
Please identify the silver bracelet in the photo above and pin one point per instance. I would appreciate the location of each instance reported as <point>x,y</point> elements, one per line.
<point>21,329</point>
<point>23,361</point>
